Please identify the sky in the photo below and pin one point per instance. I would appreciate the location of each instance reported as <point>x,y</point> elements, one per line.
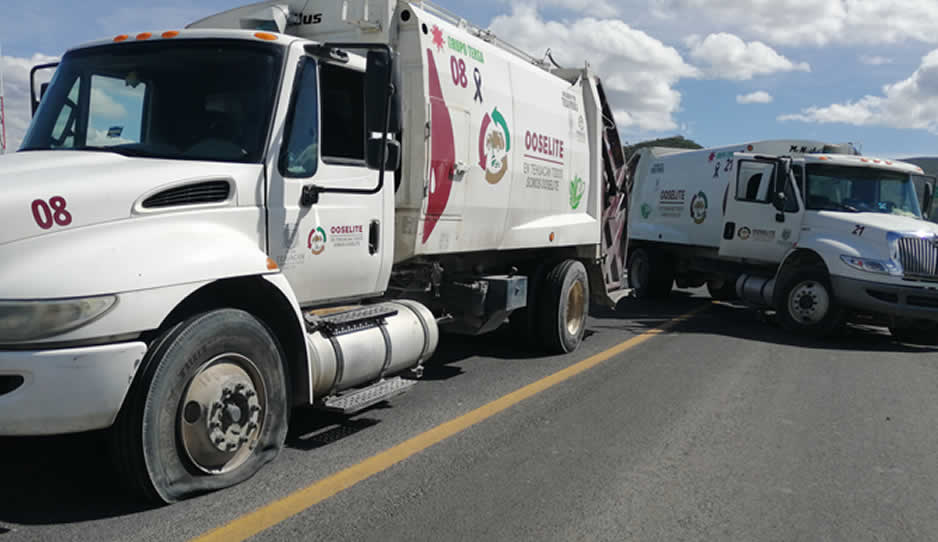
<point>719,72</point>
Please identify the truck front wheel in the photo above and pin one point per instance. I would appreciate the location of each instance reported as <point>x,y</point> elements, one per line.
<point>563,307</point>
<point>208,410</point>
<point>650,274</point>
<point>806,303</point>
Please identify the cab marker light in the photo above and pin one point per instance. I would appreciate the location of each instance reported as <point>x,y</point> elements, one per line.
<point>170,34</point>
<point>265,36</point>
<point>144,36</point>
<point>122,37</point>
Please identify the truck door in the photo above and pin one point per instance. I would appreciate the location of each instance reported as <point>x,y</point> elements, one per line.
<point>333,249</point>
<point>763,211</point>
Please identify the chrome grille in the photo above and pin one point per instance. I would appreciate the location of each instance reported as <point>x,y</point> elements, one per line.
<point>919,256</point>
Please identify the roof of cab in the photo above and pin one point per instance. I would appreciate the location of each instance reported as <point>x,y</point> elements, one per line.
<point>856,160</point>
<point>248,35</point>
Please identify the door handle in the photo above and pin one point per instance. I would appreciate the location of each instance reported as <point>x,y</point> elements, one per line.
<point>460,169</point>
<point>374,235</point>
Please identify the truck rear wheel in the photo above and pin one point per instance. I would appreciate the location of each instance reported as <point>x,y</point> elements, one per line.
<point>208,410</point>
<point>650,274</point>
<point>922,332</point>
<point>806,304</point>
<point>564,304</point>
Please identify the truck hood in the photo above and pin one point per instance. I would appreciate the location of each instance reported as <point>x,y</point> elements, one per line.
<point>837,221</point>
<point>866,233</point>
<point>42,192</point>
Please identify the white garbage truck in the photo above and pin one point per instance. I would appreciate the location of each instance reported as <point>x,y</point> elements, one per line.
<point>282,205</point>
<point>814,231</point>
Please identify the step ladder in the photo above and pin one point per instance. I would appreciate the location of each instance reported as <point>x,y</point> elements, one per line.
<point>356,400</point>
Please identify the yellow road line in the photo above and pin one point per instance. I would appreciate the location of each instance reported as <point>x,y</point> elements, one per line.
<point>269,515</point>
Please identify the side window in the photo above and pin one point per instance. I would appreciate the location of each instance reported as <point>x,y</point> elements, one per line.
<point>798,172</point>
<point>115,115</point>
<point>343,114</point>
<point>299,155</point>
<point>754,181</point>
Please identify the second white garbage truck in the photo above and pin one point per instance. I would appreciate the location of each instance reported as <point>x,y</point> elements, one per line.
<point>815,231</point>
<point>278,206</point>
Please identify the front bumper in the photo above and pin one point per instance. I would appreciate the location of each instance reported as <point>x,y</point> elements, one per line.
<point>67,390</point>
<point>888,299</point>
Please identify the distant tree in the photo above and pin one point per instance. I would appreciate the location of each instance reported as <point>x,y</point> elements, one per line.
<point>676,142</point>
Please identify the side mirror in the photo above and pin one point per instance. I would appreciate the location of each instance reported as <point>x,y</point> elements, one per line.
<point>392,154</point>
<point>779,201</point>
<point>927,198</point>
<point>35,97</point>
<point>382,100</point>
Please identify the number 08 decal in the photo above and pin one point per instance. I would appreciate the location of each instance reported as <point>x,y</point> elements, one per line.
<point>53,213</point>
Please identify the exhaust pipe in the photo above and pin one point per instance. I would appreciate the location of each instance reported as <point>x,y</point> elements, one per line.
<point>757,291</point>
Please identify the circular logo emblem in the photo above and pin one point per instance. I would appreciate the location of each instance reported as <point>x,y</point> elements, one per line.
<point>317,241</point>
<point>744,233</point>
<point>698,208</point>
<point>494,144</point>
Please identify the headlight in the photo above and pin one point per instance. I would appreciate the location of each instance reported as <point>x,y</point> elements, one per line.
<point>871,266</point>
<point>31,320</point>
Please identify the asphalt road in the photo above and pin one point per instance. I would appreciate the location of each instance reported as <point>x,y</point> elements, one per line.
<point>724,428</point>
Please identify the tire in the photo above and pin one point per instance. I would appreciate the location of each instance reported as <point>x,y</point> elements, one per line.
<point>722,290</point>
<point>563,306</point>
<point>650,275</point>
<point>178,435</point>
<point>805,303</point>
<point>922,332</point>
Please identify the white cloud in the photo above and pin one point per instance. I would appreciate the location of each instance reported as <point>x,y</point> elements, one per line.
<point>16,102</point>
<point>638,71</point>
<point>596,8</point>
<point>910,103</point>
<point>758,97</point>
<point>729,57</point>
<point>809,22</point>
<point>875,60</point>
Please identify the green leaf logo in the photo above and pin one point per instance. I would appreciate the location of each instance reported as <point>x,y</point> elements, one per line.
<point>577,188</point>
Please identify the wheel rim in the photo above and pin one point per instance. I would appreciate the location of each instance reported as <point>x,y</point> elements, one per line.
<point>576,308</point>
<point>809,302</point>
<point>222,412</point>
<point>637,272</point>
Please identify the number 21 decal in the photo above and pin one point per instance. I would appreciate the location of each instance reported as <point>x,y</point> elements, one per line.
<point>52,213</point>
<point>858,230</point>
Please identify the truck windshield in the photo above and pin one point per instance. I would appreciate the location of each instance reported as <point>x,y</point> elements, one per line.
<point>185,99</point>
<point>860,189</point>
